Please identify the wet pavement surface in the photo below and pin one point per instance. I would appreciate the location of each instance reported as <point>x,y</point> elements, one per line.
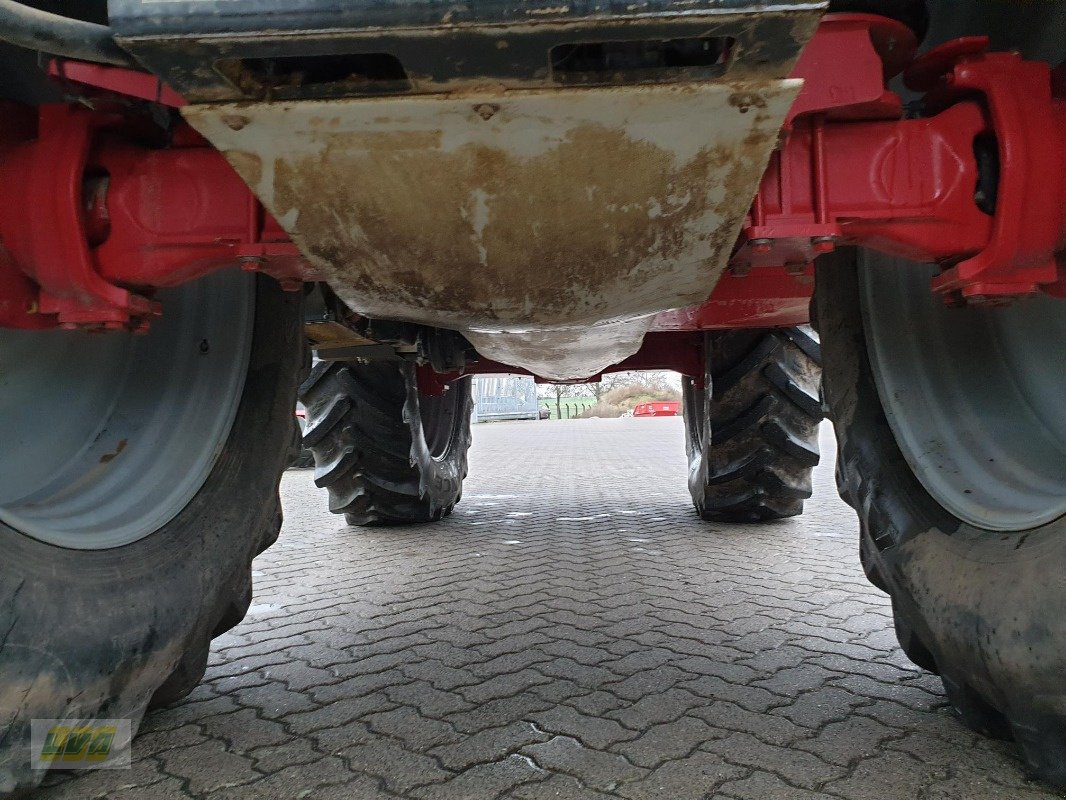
<point>572,631</point>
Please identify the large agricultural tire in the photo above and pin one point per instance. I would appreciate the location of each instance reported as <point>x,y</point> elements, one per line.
<point>387,454</point>
<point>753,442</point>
<point>138,479</point>
<point>952,449</point>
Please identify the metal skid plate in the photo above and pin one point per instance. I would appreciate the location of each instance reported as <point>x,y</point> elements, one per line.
<point>489,194</point>
<point>521,219</point>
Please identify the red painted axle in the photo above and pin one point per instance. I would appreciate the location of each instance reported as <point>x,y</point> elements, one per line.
<point>92,220</point>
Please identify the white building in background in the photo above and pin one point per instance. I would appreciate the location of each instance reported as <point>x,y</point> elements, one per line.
<point>504,397</point>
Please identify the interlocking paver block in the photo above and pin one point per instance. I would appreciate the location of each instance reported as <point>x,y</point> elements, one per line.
<point>273,758</point>
<point>592,731</point>
<point>668,741</point>
<point>401,769</point>
<point>143,772</point>
<point>489,745</point>
<point>417,731</point>
<point>558,787</point>
<point>305,780</point>
<point>168,738</point>
<point>208,766</point>
<point>850,740</point>
<point>484,780</point>
<point>274,700</point>
<point>766,786</point>
<point>339,712</point>
<point>691,778</point>
<point>593,768</point>
<point>816,707</point>
<point>243,730</point>
<point>796,766</point>
<point>657,708</point>
<point>506,685</point>
<point>166,789</point>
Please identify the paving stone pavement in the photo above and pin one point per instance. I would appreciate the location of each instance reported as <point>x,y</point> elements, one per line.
<point>573,631</point>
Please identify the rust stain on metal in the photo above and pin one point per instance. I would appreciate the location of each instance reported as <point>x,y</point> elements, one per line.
<point>463,231</point>
<point>107,458</point>
<point>248,165</point>
<point>744,101</point>
<point>552,11</point>
<point>235,121</point>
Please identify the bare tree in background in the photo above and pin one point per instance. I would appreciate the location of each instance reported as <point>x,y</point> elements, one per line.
<point>600,387</point>
<point>652,380</point>
<point>557,391</point>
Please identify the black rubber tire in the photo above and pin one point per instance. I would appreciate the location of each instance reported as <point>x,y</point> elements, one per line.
<point>365,426</point>
<point>912,13</point>
<point>753,443</point>
<point>984,609</point>
<point>90,634</point>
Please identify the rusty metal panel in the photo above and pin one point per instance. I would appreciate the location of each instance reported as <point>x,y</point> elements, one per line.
<point>523,219</point>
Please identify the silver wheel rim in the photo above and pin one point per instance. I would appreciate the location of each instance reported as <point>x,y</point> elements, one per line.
<point>974,396</point>
<point>111,435</point>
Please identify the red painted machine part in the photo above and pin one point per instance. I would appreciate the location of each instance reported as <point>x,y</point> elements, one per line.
<point>97,222</point>
<point>769,297</point>
<point>97,79</point>
<point>1031,143</point>
<point>182,213</point>
<point>902,187</point>
<point>44,228</point>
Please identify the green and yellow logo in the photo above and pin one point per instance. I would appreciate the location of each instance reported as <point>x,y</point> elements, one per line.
<point>80,744</point>
<point>90,743</point>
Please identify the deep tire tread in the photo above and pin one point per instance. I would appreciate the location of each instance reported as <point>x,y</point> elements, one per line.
<point>362,441</point>
<point>765,410</point>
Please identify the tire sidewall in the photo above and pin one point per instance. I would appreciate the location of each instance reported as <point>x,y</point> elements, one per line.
<point>696,411</point>
<point>440,478</point>
<point>92,634</point>
<point>988,606</point>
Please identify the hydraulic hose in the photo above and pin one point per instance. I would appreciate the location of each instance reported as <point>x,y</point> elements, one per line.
<point>33,29</point>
